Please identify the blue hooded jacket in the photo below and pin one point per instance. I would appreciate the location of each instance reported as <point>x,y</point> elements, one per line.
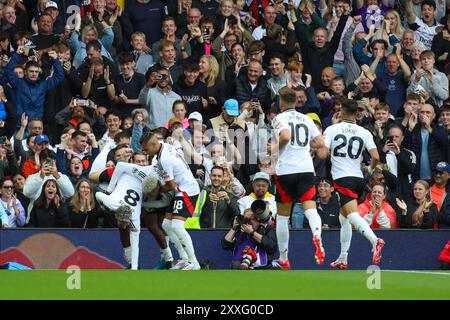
<point>30,95</point>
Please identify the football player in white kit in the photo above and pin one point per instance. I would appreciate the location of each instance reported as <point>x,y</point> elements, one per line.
<point>295,173</point>
<point>178,177</point>
<point>346,141</point>
<point>125,195</point>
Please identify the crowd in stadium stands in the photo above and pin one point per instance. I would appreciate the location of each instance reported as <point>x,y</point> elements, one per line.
<point>82,80</point>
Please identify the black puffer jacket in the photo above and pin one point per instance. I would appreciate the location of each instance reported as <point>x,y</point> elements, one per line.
<point>243,91</point>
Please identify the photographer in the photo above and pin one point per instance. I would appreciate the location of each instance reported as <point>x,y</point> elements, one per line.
<point>252,239</point>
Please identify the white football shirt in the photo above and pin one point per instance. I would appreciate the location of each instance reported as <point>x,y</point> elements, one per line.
<point>347,141</point>
<point>295,157</point>
<point>126,185</point>
<point>174,166</point>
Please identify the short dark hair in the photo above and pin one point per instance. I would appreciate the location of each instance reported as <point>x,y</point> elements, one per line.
<point>190,66</point>
<point>112,112</point>
<point>31,64</point>
<point>121,135</point>
<point>31,135</point>
<point>430,3</point>
<point>77,133</point>
<point>218,168</point>
<point>350,107</point>
<point>168,18</point>
<point>82,122</point>
<point>146,137</point>
<point>46,154</point>
<point>374,42</point>
<point>94,44</point>
<point>237,44</point>
<point>125,57</point>
<point>204,20</point>
<point>277,56</point>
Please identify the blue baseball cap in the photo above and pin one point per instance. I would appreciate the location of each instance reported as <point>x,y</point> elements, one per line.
<point>261,176</point>
<point>442,167</point>
<point>232,107</point>
<point>41,138</point>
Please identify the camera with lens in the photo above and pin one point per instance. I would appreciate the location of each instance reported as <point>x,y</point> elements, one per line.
<point>242,220</point>
<point>248,257</point>
<point>162,76</point>
<point>261,211</point>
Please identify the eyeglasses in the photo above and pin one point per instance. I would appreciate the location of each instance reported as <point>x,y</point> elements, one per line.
<point>8,187</point>
<point>438,173</point>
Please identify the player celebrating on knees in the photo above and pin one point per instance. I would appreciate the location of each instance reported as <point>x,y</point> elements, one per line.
<point>178,177</point>
<point>346,141</point>
<point>295,173</point>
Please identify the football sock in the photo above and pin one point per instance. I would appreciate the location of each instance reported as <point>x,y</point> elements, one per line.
<point>127,254</point>
<point>345,236</point>
<point>134,240</point>
<point>282,231</point>
<point>166,254</point>
<point>362,227</point>
<point>185,239</point>
<point>168,228</point>
<point>315,223</point>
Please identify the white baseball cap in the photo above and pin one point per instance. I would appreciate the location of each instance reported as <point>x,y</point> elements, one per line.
<point>196,116</point>
<point>51,4</point>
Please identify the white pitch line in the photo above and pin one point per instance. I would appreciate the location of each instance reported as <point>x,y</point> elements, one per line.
<point>423,272</point>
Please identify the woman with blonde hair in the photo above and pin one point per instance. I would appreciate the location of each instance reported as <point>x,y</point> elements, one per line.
<point>419,212</point>
<point>391,25</point>
<point>89,33</point>
<point>83,210</point>
<point>215,88</point>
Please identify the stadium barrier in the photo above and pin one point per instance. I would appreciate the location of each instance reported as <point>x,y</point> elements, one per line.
<point>101,249</point>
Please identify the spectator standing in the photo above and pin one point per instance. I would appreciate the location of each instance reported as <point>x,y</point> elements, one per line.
<point>158,100</point>
<point>191,89</point>
<point>146,16</point>
<point>440,194</point>
<point>127,85</point>
<point>36,184</point>
<point>402,163</point>
<point>428,141</point>
<point>424,28</point>
<point>49,210</point>
<point>430,83</point>
<point>396,81</point>
<point>31,90</point>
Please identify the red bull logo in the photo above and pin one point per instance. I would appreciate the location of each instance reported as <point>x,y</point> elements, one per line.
<point>54,251</point>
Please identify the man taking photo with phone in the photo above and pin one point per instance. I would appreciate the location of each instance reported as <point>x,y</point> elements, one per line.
<point>401,162</point>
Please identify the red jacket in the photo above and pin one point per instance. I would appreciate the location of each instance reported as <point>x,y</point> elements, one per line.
<point>365,207</point>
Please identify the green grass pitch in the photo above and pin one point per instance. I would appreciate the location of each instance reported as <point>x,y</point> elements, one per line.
<point>223,284</point>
